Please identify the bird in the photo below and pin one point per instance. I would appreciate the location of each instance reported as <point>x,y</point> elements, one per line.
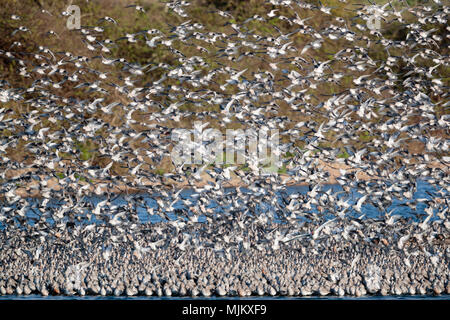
<point>340,178</point>
<point>136,7</point>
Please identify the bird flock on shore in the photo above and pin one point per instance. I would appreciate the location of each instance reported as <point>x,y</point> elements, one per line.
<point>77,174</point>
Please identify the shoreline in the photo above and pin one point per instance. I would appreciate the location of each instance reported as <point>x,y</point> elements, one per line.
<point>323,266</point>
<point>332,169</point>
<point>215,297</point>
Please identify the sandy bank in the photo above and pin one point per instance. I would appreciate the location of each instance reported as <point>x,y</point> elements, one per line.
<point>331,172</point>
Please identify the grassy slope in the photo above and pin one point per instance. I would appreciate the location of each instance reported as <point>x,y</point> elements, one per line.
<point>157,16</point>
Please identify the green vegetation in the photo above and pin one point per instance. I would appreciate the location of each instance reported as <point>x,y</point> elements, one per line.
<point>365,136</point>
<point>60,175</point>
<point>157,16</point>
<point>86,149</point>
<point>159,171</point>
<point>343,155</point>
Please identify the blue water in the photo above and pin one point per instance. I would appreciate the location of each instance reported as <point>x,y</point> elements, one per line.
<point>424,190</point>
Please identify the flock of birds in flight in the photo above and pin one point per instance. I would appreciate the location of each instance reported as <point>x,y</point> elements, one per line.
<point>378,99</point>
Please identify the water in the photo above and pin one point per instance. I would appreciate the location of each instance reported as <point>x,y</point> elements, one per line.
<point>398,207</point>
<point>90,298</point>
<point>424,191</point>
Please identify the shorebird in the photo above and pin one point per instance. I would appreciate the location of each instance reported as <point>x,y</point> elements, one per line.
<point>136,7</point>
<point>86,145</point>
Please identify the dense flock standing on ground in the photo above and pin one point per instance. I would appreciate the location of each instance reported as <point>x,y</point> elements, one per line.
<point>388,123</point>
